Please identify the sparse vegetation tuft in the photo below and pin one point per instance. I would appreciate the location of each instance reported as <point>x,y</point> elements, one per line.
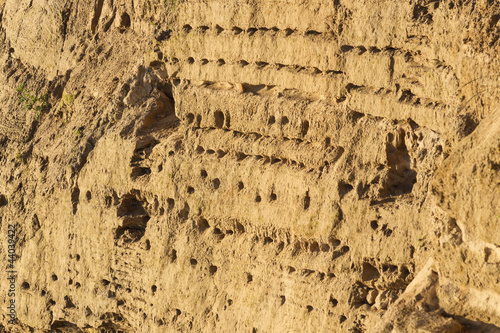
<point>79,132</point>
<point>67,101</point>
<point>31,101</point>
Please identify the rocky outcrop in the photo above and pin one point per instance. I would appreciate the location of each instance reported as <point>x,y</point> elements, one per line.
<point>257,166</point>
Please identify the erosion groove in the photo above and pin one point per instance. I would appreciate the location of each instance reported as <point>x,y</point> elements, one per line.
<point>250,166</point>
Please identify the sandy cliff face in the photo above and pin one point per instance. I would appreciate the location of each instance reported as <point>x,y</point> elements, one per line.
<point>250,166</point>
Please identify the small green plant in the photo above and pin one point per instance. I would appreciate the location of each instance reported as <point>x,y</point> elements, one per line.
<point>19,155</point>
<point>32,102</point>
<point>67,101</point>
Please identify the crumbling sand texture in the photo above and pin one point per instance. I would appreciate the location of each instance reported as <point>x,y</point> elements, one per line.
<point>251,166</point>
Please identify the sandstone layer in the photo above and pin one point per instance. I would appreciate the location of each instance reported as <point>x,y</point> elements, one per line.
<point>251,165</point>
